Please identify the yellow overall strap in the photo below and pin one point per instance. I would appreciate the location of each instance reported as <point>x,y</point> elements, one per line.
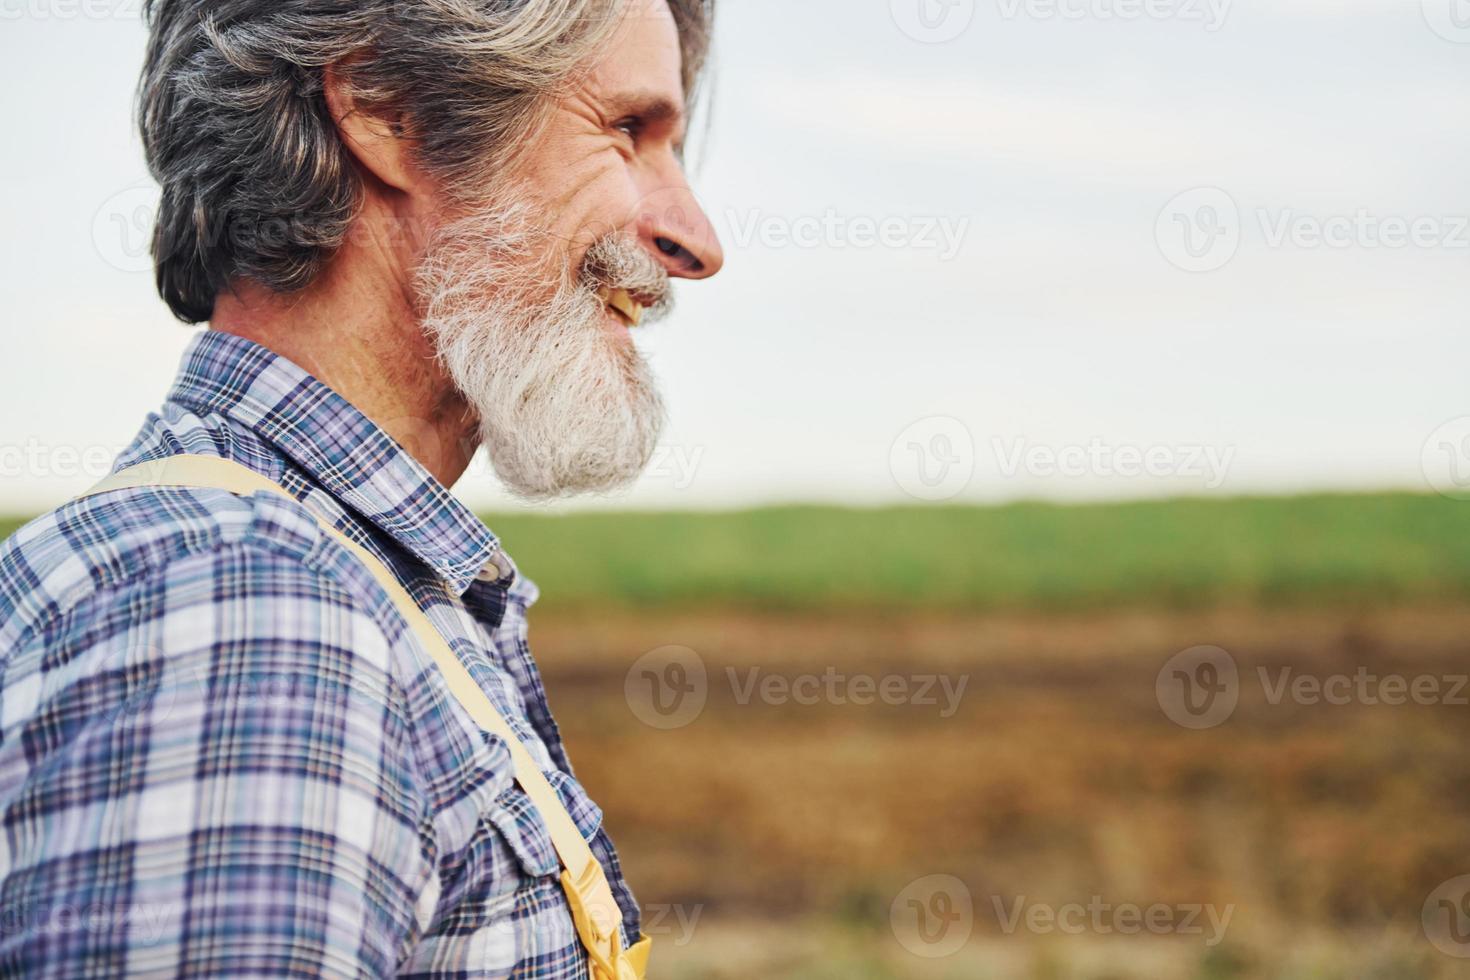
<point>594,909</point>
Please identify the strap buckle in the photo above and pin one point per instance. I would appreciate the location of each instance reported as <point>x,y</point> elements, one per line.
<point>597,924</point>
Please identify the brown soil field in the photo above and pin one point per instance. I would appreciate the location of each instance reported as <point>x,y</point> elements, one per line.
<point>773,833</point>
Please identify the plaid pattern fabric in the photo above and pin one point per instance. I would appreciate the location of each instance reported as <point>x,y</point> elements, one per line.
<point>222,753</point>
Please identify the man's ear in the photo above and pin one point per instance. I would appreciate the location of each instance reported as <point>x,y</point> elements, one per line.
<point>378,144</point>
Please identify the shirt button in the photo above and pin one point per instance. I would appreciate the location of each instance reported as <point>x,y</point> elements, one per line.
<point>493,571</point>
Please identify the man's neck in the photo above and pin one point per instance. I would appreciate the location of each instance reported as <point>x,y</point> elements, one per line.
<point>358,334</point>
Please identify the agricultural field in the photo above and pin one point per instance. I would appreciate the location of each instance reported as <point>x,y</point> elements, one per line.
<point>771,837</point>
<point>784,832</point>
<point>1179,553</point>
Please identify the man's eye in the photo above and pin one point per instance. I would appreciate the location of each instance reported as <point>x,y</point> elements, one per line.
<point>631,126</point>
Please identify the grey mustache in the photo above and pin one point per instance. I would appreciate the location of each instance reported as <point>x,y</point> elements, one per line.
<point>617,261</point>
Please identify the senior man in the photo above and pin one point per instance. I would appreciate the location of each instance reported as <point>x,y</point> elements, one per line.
<point>267,706</point>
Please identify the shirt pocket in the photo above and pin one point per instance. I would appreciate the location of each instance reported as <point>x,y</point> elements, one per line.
<point>522,828</point>
<point>522,842</point>
<point>494,843</point>
<point>523,832</point>
<point>519,905</point>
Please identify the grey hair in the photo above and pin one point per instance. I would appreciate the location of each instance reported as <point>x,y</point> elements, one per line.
<point>255,181</point>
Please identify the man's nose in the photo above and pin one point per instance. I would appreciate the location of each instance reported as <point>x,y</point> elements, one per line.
<point>677,232</point>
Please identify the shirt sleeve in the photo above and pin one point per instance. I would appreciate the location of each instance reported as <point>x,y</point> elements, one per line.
<point>209,772</point>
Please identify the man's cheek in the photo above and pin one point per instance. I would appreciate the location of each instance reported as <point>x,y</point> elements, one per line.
<point>608,205</point>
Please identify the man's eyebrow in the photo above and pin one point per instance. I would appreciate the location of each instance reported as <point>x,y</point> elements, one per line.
<point>652,107</point>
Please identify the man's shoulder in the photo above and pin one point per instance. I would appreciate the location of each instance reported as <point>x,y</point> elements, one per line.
<point>112,548</point>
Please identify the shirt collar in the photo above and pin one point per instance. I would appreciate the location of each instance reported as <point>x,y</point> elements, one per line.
<point>341,449</point>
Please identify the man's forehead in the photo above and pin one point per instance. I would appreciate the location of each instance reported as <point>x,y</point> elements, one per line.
<point>642,69</point>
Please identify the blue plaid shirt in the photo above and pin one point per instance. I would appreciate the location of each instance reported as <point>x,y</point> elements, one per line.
<point>223,753</point>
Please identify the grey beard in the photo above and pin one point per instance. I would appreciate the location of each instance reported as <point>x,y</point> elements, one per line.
<point>562,407</point>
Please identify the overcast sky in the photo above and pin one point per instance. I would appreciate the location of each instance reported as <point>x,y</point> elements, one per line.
<point>977,250</point>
